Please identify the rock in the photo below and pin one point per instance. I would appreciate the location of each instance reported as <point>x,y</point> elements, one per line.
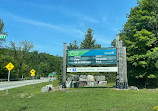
<point>69,78</point>
<point>74,84</point>
<point>92,84</point>
<point>68,84</point>
<point>74,77</point>
<point>133,88</point>
<point>47,88</point>
<point>90,78</point>
<point>82,83</point>
<point>83,78</point>
<point>102,83</point>
<point>99,78</point>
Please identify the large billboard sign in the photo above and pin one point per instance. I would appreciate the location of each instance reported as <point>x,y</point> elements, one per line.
<point>92,56</point>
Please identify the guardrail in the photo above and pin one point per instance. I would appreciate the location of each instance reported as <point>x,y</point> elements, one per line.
<point>17,79</point>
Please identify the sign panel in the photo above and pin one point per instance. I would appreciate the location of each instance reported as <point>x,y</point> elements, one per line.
<point>2,36</point>
<point>32,71</point>
<point>33,74</point>
<point>10,66</point>
<point>92,56</point>
<point>92,69</point>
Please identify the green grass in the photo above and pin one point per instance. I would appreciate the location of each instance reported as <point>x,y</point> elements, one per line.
<point>77,99</point>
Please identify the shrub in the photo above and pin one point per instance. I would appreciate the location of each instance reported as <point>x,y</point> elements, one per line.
<point>155,108</point>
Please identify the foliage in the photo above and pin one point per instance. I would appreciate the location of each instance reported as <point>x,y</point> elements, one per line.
<point>88,41</point>
<point>155,108</point>
<point>73,45</point>
<point>1,32</point>
<point>1,26</point>
<point>42,63</point>
<point>20,52</point>
<point>140,36</point>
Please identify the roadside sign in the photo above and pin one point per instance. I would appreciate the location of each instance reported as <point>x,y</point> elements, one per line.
<point>33,74</point>
<point>2,36</point>
<point>10,66</point>
<point>32,71</point>
<point>53,73</point>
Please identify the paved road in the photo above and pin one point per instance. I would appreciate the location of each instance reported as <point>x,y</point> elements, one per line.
<point>13,84</point>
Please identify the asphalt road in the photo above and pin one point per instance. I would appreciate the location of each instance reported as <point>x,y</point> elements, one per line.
<point>14,84</point>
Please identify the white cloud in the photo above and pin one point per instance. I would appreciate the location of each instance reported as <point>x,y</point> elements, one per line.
<point>66,11</point>
<point>87,18</point>
<point>63,28</point>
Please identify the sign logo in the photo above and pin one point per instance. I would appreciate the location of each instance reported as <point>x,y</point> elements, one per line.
<point>74,69</point>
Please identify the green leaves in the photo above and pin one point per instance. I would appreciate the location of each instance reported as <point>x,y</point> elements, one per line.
<point>140,36</point>
<point>88,41</point>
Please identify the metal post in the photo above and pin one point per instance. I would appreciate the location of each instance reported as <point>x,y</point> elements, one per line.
<point>33,81</point>
<point>8,81</point>
<point>64,65</point>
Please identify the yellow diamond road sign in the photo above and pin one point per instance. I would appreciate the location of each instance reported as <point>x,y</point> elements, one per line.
<point>32,71</point>
<point>33,74</point>
<point>10,66</point>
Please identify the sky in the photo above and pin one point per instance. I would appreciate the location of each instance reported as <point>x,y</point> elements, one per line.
<point>50,23</point>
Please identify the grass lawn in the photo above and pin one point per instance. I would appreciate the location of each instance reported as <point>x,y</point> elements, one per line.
<point>28,98</point>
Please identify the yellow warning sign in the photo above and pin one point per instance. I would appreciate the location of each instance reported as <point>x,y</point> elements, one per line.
<point>33,74</point>
<point>32,71</point>
<point>10,66</point>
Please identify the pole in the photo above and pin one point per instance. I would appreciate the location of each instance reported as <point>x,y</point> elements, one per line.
<point>33,81</point>
<point>8,81</point>
<point>117,73</point>
<point>64,65</point>
<point>125,68</point>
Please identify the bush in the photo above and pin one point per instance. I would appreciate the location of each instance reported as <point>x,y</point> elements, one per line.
<point>155,108</point>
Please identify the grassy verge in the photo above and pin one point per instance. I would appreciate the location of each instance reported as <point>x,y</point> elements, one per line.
<point>80,99</point>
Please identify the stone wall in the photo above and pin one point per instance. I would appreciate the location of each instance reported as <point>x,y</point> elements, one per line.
<point>85,81</point>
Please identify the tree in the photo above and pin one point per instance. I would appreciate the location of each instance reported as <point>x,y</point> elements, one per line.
<point>140,36</point>
<point>73,45</point>
<point>1,26</point>
<point>1,32</point>
<point>88,41</point>
<point>20,52</point>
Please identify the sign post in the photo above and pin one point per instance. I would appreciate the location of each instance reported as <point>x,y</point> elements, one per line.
<point>9,66</point>
<point>33,74</point>
<point>64,65</point>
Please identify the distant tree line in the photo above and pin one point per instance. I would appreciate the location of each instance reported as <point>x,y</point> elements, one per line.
<point>24,61</point>
<point>42,63</point>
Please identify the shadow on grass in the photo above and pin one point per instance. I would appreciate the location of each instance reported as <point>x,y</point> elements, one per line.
<point>96,87</point>
<point>22,108</point>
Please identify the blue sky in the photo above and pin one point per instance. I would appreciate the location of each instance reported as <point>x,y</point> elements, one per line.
<point>50,23</point>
